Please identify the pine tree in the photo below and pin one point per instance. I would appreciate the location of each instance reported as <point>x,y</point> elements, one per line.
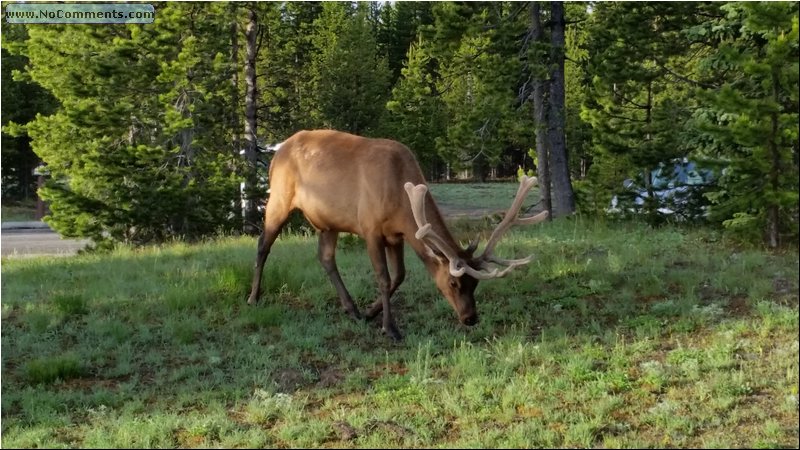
<point>397,30</point>
<point>753,119</point>
<point>638,100</point>
<point>477,66</point>
<point>416,113</point>
<point>286,97</point>
<point>535,59</point>
<point>351,81</point>
<point>22,100</point>
<point>249,189</point>
<point>578,131</point>
<point>136,151</point>
<point>545,90</point>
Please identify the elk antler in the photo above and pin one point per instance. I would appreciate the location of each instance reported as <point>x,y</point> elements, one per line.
<point>510,219</point>
<point>458,266</point>
<point>425,232</point>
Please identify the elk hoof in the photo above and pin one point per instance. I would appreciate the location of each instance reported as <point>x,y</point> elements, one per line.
<point>374,310</point>
<point>393,333</point>
<point>355,314</point>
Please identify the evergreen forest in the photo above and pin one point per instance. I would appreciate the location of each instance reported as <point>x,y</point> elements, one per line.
<point>152,132</point>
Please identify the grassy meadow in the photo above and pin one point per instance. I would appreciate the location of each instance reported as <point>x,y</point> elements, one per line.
<point>617,335</point>
<point>19,212</point>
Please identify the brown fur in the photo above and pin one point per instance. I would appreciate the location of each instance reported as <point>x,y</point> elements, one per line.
<point>347,183</point>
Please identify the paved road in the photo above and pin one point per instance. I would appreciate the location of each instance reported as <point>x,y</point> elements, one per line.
<point>35,242</point>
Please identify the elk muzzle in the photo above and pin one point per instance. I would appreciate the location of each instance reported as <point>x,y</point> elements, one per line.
<point>469,319</point>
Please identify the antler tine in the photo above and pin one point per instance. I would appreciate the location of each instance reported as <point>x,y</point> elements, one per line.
<point>425,233</point>
<point>525,185</point>
<point>485,274</point>
<point>509,262</point>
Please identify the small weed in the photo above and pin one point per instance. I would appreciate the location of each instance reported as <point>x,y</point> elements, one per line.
<point>260,317</point>
<point>48,370</point>
<point>111,330</point>
<point>186,330</point>
<point>182,299</point>
<point>350,242</point>
<point>70,305</point>
<point>265,408</point>
<point>38,321</point>
<point>230,283</point>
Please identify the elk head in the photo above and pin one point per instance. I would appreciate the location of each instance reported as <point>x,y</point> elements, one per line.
<point>456,270</point>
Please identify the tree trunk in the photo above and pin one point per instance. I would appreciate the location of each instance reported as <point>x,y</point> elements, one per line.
<point>773,210</point>
<point>539,117</point>
<point>651,202</point>
<point>250,208</point>
<point>563,196</point>
<point>235,125</point>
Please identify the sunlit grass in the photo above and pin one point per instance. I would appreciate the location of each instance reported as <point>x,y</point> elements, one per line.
<point>487,198</point>
<point>616,335</point>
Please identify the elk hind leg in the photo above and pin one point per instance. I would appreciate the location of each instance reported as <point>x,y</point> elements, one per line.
<point>327,257</point>
<point>377,254</point>
<point>394,255</point>
<point>275,217</point>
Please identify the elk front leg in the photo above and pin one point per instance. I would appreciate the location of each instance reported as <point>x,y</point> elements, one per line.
<point>394,254</point>
<point>377,254</point>
<point>327,257</point>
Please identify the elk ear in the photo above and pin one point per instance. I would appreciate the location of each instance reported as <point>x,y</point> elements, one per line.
<point>434,252</point>
<point>457,266</point>
<point>473,245</point>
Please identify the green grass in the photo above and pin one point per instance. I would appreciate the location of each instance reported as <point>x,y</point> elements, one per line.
<point>475,199</point>
<point>615,336</point>
<point>18,213</point>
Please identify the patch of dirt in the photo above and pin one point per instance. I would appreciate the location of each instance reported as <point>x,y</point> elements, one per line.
<point>389,425</point>
<point>782,285</point>
<point>330,377</point>
<point>320,375</point>
<point>87,384</point>
<point>739,306</point>
<point>385,369</point>
<point>185,439</point>
<point>289,380</point>
<point>345,431</point>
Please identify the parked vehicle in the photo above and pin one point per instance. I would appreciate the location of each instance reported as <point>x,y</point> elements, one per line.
<point>678,190</point>
<point>263,158</point>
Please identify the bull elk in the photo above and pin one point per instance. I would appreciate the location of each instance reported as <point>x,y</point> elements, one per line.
<point>374,188</point>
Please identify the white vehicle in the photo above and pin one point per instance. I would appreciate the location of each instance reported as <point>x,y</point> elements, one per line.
<point>678,188</point>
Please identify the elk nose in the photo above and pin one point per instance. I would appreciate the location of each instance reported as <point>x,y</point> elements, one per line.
<point>470,320</point>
